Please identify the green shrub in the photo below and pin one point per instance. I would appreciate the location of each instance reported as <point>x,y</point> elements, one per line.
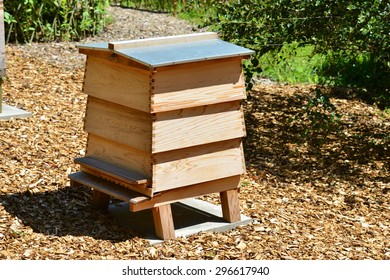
<point>351,35</point>
<point>48,20</point>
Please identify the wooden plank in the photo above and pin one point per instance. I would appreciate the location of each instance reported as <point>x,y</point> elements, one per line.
<point>141,203</point>
<point>196,126</point>
<point>230,206</point>
<point>113,171</point>
<point>119,123</point>
<point>117,83</point>
<point>162,40</point>
<point>104,186</point>
<point>197,164</point>
<point>163,222</point>
<point>142,189</point>
<point>197,84</point>
<point>113,57</point>
<point>120,155</point>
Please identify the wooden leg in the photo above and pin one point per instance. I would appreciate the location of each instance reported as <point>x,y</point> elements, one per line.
<point>163,222</point>
<point>75,184</point>
<point>100,200</point>
<point>230,206</point>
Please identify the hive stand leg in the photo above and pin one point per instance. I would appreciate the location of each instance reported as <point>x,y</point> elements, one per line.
<point>163,222</point>
<point>74,184</point>
<point>230,206</point>
<point>100,200</point>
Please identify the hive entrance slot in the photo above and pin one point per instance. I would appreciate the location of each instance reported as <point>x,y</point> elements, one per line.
<point>121,176</point>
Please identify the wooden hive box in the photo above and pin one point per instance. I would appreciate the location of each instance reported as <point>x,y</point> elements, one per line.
<point>164,112</point>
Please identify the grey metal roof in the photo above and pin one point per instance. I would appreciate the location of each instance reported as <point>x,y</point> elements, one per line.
<point>177,53</point>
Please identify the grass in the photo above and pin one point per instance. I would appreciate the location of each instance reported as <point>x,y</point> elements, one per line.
<point>293,64</point>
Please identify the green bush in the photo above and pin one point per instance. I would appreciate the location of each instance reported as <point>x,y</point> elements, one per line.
<point>49,20</point>
<point>353,35</point>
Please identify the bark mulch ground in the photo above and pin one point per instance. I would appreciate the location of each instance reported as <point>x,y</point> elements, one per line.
<point>317,197</point>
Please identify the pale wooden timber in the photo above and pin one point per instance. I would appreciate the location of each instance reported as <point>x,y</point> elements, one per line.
<point>191,126</point>
<point>138,202</point>
<point>103,186</point>
<point>163,222</point>
<point>230,206</point>
<point>197,164</point>
<point>117,83</point>
<point>112,170</point>
<point>119,155</point>
<point>141,202</point>
<point>197,126</point>
<point>142,189</point>
<point>119,123</point>
<point>113,57</point>
<point>197,84</point>
<point>162,40</point>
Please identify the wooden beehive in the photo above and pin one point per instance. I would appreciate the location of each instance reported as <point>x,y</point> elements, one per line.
<point>165,112</point>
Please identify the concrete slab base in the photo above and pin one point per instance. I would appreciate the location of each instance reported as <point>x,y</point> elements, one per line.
<point>190,216</point>
<point>9,112</point>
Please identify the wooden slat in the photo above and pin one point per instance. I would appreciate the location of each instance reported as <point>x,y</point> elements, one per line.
<point>196,126</point>
<point>120,155</point>
<point>112,170</point>
<point>197,164</point>
<point>104,186</point>
<point>119,123</point>
<point>141,203</point>
<point>197,84</point>
<point>142,189</point>
<point>108,55</point>
<point>162,40</point>
<point>117,83</point>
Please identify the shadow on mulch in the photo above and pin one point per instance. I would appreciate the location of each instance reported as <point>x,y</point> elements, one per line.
<point>357,152</point>
<point>64,212</point>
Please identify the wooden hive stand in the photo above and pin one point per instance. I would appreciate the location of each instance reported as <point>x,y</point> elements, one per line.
<point>164,122</point>
<point>113,186</point>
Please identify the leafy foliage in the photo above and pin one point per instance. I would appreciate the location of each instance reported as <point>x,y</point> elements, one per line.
<point>48,20</point>
<point>355,30</point>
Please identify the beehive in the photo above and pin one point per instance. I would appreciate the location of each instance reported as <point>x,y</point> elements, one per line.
<point>167,110</point>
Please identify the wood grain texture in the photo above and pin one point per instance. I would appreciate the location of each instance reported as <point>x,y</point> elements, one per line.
<point>117,83</point>
<point>119,123</point>
<point>230,206</point>
<point>197,84</point>
<point>103,186</point>
<point>196,126</point>
<point>197,164</point>
<point>109,56</point>
<point>163,222</point>
<point>120,155</point>
<point>141,203</point>
<point>112,170</point>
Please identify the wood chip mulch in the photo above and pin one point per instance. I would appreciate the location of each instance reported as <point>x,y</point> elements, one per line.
<point>308,200</point>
